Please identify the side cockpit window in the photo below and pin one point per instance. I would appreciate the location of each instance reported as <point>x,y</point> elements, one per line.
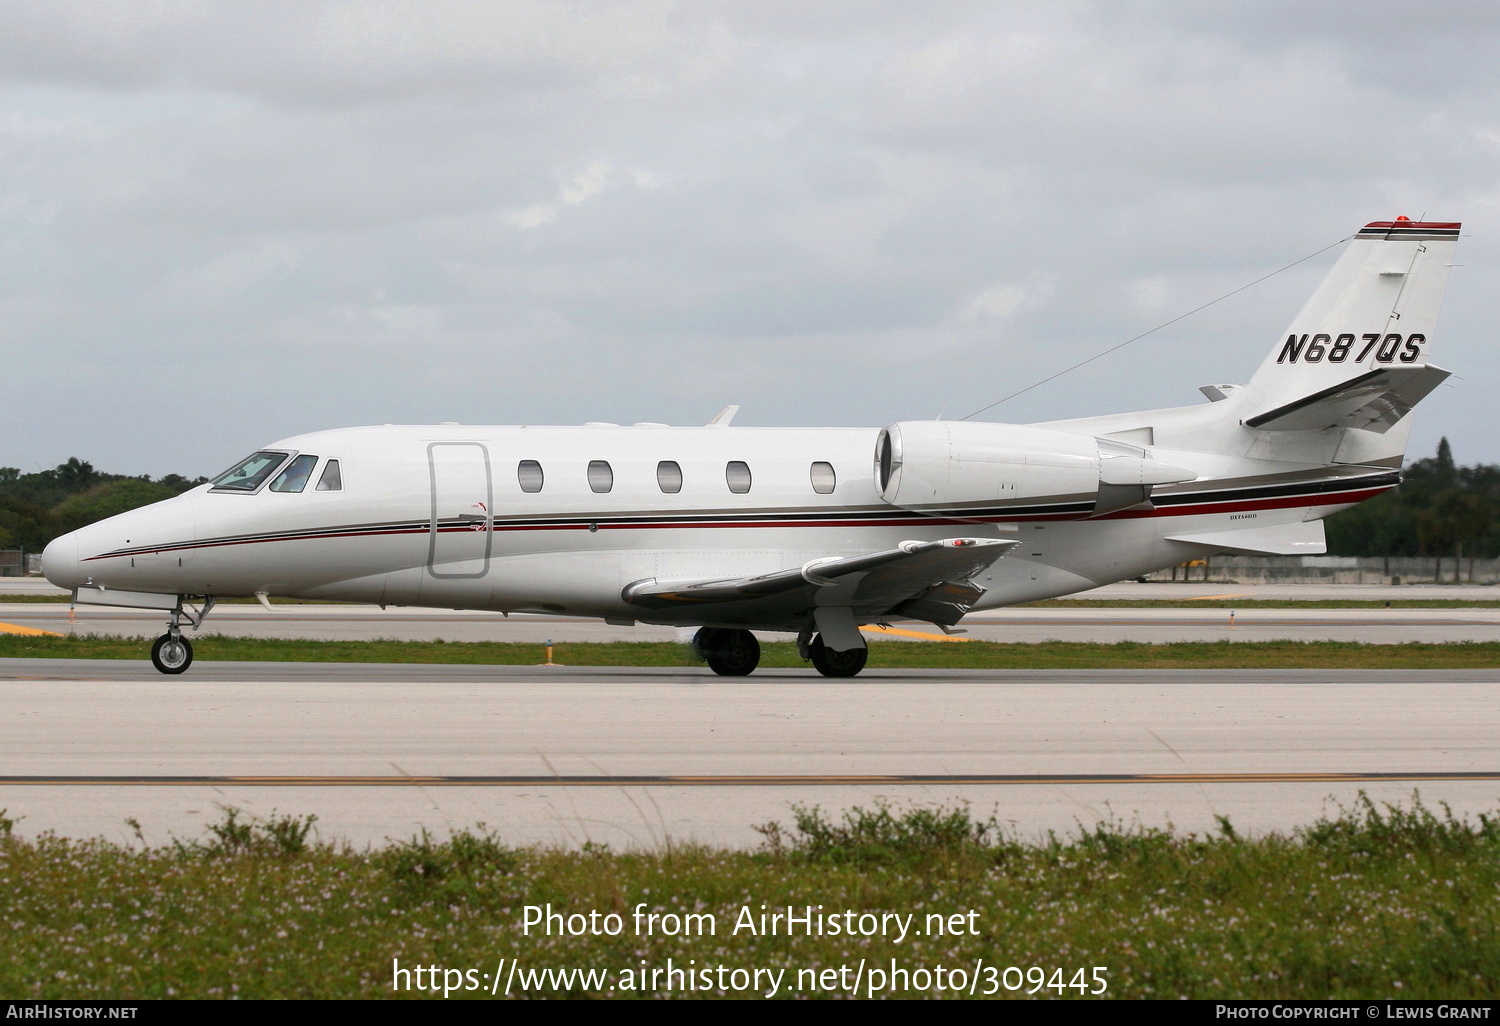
<point>294,477</point>
<point>250,473</point>
<point>332,480</point>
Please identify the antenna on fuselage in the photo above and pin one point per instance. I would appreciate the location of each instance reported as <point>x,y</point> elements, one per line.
<point>723,417</point>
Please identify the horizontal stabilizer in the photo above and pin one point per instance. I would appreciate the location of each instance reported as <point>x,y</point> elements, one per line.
<point>876,582</point>
<point>1301,539</point>
<point>1374,401</point>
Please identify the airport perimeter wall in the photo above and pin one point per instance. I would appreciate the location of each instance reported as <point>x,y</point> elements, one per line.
<point>1335,570</point>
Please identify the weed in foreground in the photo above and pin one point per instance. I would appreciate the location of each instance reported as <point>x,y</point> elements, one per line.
<point>1366,829</point>
<point>455,871</point>
<point>278,836</point>
<point>885,836</point>
<point>1371,901</point>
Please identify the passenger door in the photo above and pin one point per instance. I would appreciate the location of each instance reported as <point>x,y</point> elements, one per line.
<point>462,505</point>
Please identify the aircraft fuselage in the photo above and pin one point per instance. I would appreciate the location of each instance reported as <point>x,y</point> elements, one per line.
<point>437,516</point>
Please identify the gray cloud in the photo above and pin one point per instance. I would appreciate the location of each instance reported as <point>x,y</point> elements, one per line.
<point>228,223</point>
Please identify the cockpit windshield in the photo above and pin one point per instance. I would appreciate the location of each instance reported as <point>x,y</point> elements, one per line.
<point>250,473</point>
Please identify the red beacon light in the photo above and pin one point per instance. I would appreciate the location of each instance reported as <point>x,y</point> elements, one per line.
<point>1403,217</point>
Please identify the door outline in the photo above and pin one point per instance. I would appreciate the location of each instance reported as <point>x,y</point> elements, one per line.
<point>488,519</point>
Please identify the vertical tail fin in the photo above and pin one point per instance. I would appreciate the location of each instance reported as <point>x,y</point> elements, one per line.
<point>1357,354</point>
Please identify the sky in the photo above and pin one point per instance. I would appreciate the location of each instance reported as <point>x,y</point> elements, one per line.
<point>224,224</point>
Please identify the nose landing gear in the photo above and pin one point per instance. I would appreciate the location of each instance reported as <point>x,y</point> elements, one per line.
<point>173,653</point>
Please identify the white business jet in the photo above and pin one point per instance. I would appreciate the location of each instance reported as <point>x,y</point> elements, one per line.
<point>808,530</point>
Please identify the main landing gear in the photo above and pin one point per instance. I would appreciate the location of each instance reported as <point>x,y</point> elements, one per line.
<point>736,653</point>
<point>836,664</point>
<point>173,653</point>
<point>729,653</point>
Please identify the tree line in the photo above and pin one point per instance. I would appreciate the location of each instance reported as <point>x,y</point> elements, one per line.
<point>35,508</point>
<point>1441,510</point>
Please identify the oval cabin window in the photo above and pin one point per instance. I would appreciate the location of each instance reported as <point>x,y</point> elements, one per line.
<point>737,474</point>
<point>823,478</point>
<point>601,478</point>
<point>669,476</point>
<point>529,472</point>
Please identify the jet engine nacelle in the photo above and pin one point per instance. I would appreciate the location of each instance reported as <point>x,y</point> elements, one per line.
<point>950,465</point>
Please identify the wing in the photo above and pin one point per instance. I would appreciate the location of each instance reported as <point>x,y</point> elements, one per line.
<point>921,580</point>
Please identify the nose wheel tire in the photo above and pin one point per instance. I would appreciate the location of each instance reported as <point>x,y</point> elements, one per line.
<point>729,653</point>
<point>837,664</point>
<point>172,655</point>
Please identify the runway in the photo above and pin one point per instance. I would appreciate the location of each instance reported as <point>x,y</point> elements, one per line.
<point>780,780</point>
<point>338,622</point>
<point>642,758</point>
<point>366,623</point>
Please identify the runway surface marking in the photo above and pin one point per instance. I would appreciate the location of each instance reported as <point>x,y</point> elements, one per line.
<point>745,780</point>
<point>15,628</point>
<point>879,629</point>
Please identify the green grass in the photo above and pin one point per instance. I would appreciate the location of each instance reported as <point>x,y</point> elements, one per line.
<point>1372,902</point>
<point>782,655</point>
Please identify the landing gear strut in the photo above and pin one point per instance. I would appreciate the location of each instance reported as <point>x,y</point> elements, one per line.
<point>173,653</point>
<point>729,653</point>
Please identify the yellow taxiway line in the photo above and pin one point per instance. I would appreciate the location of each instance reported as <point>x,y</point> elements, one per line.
<point>877,629</point>
<point>15,628</point>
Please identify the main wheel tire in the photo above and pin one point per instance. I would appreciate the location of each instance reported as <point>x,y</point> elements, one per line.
<point>837,664</point>
<point>172,655</point>
<point>729,653</point>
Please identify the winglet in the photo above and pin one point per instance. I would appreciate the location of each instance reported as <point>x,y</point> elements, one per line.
<point>723,417</point>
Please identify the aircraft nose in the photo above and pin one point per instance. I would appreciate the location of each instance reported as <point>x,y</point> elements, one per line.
<point>60,561</point>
